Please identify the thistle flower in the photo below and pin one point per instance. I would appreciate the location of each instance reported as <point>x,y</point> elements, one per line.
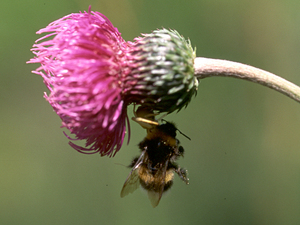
<point>84,66</point>
<point>162,74</point>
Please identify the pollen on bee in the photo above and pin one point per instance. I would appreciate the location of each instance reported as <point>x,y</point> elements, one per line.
<point>169,176</point>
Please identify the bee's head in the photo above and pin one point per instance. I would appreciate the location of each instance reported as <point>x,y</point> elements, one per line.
<point>168,128</point>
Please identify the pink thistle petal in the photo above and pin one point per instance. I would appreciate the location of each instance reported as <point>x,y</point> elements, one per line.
<point>83,66</point>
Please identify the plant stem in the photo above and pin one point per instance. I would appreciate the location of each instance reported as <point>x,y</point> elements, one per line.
<point>205,67</point>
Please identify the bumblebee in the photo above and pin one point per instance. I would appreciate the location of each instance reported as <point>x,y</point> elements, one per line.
<point>154,169</point>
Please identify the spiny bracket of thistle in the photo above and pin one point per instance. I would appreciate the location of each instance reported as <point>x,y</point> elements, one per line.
<point>205,67</point>
<point>162,73</point>
<point>165,72</point>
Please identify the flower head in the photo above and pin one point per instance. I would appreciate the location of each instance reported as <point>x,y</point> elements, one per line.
<point>84,66</point>
<point>162,74</point>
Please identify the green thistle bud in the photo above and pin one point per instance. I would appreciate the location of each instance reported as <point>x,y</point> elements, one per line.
<point>162,71</point>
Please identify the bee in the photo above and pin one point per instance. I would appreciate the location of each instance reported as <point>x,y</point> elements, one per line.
<point>154,169</point>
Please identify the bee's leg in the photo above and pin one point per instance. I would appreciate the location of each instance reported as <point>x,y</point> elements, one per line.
<point>145,117</point>
<point>145,123</point>
<point>182,173</point>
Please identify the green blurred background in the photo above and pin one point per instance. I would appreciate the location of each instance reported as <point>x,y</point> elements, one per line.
<point>244,156</point>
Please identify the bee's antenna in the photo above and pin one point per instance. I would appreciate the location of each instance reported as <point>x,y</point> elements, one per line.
<point>119,164</point>
<point>184,135</point>
<point>161,118</point>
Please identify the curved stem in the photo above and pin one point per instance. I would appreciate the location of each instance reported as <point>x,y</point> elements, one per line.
<point>205,67</point>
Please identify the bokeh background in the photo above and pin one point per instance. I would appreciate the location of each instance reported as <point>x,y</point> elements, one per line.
<point>244,156</point>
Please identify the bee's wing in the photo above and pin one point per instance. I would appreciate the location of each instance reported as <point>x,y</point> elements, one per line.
<point>132,181</point>
<point>155,196</point>
<point>131,184</point>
